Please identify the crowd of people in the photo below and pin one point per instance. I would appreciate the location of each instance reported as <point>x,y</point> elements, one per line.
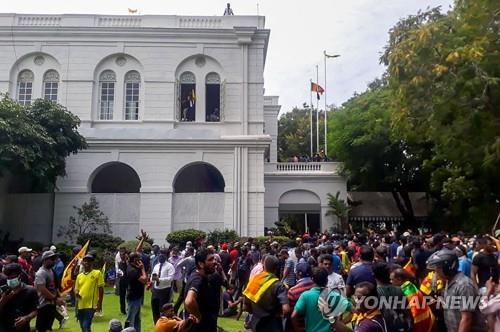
<point>371,282</point>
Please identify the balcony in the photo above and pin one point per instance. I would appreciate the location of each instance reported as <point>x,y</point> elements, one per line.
<point>308,168</point>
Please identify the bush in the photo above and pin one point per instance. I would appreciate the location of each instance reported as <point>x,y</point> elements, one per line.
<point>262,240</point>
<point>100,240</point>
<point>179,238</point>
<point>132,244</point>
<point>219,236</point>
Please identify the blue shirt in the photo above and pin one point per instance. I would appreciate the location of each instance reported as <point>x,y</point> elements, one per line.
<point>464,265</point>
<point>359,274</point>
<point>336,264</point>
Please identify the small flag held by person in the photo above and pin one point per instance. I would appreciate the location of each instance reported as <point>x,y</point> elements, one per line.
<point>67,281</point>
<point>317,88</point>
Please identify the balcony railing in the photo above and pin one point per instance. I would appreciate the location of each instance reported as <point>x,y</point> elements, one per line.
<point>302,168</point>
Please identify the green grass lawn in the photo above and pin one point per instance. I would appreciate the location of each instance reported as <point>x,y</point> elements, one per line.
<point>111,309</point>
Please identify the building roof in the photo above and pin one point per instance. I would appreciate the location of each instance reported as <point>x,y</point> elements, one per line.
<point>382,204</point>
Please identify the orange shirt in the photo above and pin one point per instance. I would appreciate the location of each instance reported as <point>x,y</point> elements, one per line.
<point>165,324</point>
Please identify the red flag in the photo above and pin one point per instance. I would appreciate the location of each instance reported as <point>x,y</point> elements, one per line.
<point>317,88</point>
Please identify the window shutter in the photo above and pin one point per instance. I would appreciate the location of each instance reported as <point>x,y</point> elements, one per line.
<point>222,100</point>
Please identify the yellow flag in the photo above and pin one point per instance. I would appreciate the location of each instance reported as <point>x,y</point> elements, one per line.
<point>66,281</point>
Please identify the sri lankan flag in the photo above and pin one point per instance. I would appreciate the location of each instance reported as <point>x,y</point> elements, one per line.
<point>431,283</point>
<point>67,282</point>
<point>409,267</point>
<point>258,285</point>
<point>423,319</point>
<point>317,88</point>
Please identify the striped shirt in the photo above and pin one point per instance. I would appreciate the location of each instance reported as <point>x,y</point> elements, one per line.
<point>302,285</point>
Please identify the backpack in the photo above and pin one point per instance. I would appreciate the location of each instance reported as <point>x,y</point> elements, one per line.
<point>243,268</point>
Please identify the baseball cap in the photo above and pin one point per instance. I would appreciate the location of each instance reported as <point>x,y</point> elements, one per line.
<point>53,248</point>
<point>304,269</point>
<point>48,254</point>
<point>224,246</point>
<point>24,249</point>
<point>88,256</point>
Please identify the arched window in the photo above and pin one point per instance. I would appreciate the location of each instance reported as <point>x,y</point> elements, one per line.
<point>50,85</point>
<point>25,87</point>
<point>107,81</point>
<point>212,84</point>
<point>199,178</point>
<point>116,177</point>
<point>188,96</point>
<point>132,85</point>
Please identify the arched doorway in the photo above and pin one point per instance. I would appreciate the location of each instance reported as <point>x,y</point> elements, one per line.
<point>301,209</point>
<point>116,187</point>
<point>198,199</point>
<point>115,177</point>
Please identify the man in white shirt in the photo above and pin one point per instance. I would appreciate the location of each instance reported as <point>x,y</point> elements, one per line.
<point>161,284</point>
<point>335,280</point>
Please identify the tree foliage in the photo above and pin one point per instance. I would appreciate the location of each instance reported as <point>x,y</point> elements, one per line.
<point>89,219</point>
<point>444,72</point>
<point>432,122</point>
<point>294,133</point>
<point>338,207</point>
<point>179,238</point>
<point>373,158</point>
<point>35,140</point>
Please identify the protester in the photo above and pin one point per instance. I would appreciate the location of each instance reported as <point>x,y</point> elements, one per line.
<point>309,304</point>
<point>18,302</point>
<point>335,280</point>
<point>484,264</point>
<point>136,279</point>
<point>121,272</point>
<point>89,291</point>
<point>169,322</point>
<point>304,283</point>
<point>161,280</point>
<point>397,318</point>
<point>174,259</point>
<point>48,296</point>
<point>287,269</point>
<point>199,294</point>
<point>266,299</point>
<point>461,314</point>
<point>187,265</point>
<point>230,306</point>
<point>367,318</point>
<point>362,272</point>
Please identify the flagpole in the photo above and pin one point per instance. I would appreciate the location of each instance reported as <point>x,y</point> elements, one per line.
<point>311,118</point>
<point>325,147</point>
<point>317,113</point>
<point>326,126</point>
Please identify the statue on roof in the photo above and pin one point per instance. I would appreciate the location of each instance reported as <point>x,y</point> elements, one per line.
<point>228,11</point>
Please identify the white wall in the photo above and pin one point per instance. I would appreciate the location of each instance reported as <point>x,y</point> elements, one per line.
<point>278,185</point>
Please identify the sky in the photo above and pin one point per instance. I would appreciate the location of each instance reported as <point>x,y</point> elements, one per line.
<point>300,31</point>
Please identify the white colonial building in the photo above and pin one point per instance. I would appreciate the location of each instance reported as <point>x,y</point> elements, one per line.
<point>180,133</point>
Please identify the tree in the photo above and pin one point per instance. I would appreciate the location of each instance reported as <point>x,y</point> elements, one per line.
<point>339,208</point>
<point>294,133</point>
<point>360,136</point>
<point>35,141</point>
<point>89,219</point>
<point>444,71</point>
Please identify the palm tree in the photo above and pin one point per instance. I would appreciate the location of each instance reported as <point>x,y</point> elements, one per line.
<point>338,208</point>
